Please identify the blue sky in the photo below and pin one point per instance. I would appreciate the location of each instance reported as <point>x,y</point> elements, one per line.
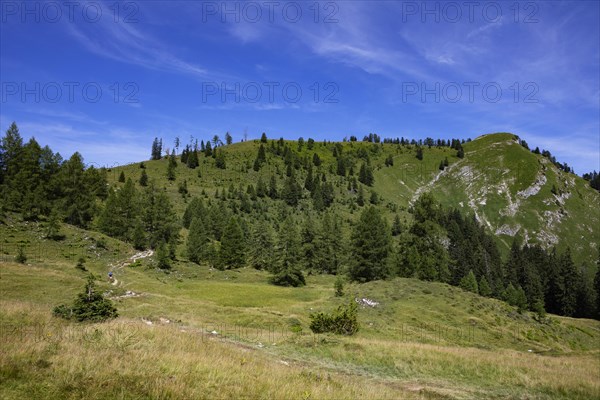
<point>105,77</point>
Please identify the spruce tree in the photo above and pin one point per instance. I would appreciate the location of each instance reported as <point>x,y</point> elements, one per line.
<point>260,250</point>
<point>396,226</point>
<point>232,253</point>
<point>197,240</point>
<point>370,247</point>
<point>77,199</point>
<point>261,188</point>
<point>144,178</point>
<point>597,289</point>
<point>419,154</point>
<point>122,177</point>
<point>273,188</point>
<point>469,283</point>
<point>308,235</point>
<point>484,287</point>
<point>287,270</point>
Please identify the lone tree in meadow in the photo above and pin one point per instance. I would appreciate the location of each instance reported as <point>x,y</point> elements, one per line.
<point>90,305</point>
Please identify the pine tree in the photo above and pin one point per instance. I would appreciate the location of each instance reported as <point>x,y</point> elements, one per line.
<point>308,235</point>
<point>374,199</point>
<point>158,216</point>
<point>53,225</point>
<point>570,277</point>
<point>260,250</point>
<point>597,289</point>
<point>360,199</point>
<point>122,177</point>
<point>273,188</point>
<point>228,138</point>
<point>329,245</point>
<point>419,154</point>
<point>261,188</point>
<point>370,247</point>
<point>469,283</point>
<point>520,299</point>
<point>291,191</point>
<point>138,235</point>
<point>232,253</point>
<point>144,178</point>
<point>220,160</point>
<point>163,260</point>
<point>484,287</point>
<point>396,226</point>
<point>263,138</point>
<point>194,209</point>
<point>287,264</point>
<point>11,146</point>
<point>365,175</point>
<point>171,169</point>
<point>309,182</point>
<point>192,159</point>
<point>316,160</point>
<point>78,203</point>
<point>156,149</point>
<point>197,241</point>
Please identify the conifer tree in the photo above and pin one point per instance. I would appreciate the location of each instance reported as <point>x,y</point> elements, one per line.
<point>78,203</point>
<point>360,199</point>
<point>232,253</point>
<point>260,250</point>
<point>597,289</point>
<point>484,287</point>
<point>287,270</point>
<point>308,235</point>
<point>273,188</point>
<point>261,188</point>
<point>122,177</point>
<point>419,154</point>
<point>197,241</point>
<point>144,178</point>
<point>469,283</point>
<point>370,247</point>
<point>316,160</point>
<point>396,226</point>
<point>171,169</point>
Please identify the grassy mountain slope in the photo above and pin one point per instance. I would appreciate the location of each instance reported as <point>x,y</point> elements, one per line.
<point>423,340</point>
<point>507,187</point>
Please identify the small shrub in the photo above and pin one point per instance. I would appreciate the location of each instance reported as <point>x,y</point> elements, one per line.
<point>338,285</point>
<point>21,257</point>
<point>81,264</point>
<point>289,277</point>
<point>344,321</point>
<point>89,306</point>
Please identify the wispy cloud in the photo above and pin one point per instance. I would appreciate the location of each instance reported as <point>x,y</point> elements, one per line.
<point>123,42</point>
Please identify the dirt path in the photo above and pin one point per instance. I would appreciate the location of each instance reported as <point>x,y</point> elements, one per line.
<point>119,266</point>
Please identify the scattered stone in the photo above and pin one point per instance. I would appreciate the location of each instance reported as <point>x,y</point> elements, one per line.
<point>367,302</point>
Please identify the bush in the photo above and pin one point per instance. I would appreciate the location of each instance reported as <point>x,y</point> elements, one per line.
<point>21,257</point>
<point>89,306</point>
<point>289,277</point>
<point>344,321</point>
<point>339,286</point>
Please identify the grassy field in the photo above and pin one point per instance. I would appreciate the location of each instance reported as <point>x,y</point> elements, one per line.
<point>201,333</point>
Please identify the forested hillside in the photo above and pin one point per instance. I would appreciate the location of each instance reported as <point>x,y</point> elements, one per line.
<point>488,215</point>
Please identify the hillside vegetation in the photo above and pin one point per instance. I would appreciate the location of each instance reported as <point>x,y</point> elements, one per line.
<point>458,255</point>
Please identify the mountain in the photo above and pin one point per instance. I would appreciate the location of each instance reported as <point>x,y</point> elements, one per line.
<point>509,189</point>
